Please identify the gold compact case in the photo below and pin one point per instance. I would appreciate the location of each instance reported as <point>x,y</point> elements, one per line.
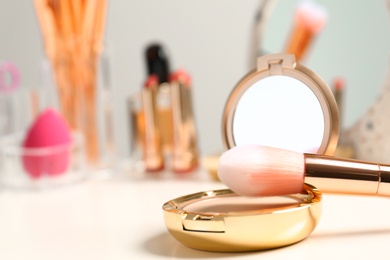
<point>222,221</point>
<point>281,104</point>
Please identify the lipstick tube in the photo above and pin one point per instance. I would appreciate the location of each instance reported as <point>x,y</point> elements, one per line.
<point>347,176</point>
<point>152,152</point>
<point>164,111</point>
<point>185,150</point>
<point>157,63</point>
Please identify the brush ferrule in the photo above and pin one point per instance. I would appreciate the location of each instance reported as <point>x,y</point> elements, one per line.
<point>347,176</point>
<point>384,184</point>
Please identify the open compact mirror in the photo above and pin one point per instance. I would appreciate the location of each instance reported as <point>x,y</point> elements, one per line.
<point>280,104</point>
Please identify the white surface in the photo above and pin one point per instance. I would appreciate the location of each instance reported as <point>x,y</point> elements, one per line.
<point>122,218</point>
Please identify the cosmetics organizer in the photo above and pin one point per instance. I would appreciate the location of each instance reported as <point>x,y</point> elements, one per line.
<point>33,151</point>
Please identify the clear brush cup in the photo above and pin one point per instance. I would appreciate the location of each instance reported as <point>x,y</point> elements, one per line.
<point>137,132</point>
<point>81,77</point>
<point>41,168</point>
<point>31,168</point>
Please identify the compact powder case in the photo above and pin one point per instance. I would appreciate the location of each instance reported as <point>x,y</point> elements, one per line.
<point>281,104</point>
<point>222,221</point>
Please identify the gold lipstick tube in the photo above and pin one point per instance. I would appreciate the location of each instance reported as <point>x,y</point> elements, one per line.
<point>185,151</point>
<point>164,110</point>
<point>347,176</point>
<point>152,153</point>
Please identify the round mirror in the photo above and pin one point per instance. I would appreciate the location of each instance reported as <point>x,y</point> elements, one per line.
<point>282,104</point>
<point>279,111</point>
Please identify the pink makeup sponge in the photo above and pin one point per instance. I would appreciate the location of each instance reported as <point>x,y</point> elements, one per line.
<point>47,145</point>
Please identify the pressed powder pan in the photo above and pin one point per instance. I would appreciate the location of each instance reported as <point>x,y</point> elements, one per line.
<point>223,221</point>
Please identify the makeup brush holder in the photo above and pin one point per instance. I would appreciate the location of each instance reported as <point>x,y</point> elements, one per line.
<point>85,101</point>
<point>42,166</point>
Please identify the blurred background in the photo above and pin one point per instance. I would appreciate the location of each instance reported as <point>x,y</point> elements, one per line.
<point>212,41</point>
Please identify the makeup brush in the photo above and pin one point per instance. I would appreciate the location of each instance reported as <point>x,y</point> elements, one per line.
<point>339,86</point>
<point>310,18</point>
<point>254,170</point>
<point>73,33</point>
<point>344,147</point>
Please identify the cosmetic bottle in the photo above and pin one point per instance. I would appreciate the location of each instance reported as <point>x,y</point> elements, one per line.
<point>152,152</point>
<point>185,150</point>
<point>157,63</point>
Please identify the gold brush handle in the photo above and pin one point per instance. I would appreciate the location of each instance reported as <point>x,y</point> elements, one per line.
<point>347,176</point>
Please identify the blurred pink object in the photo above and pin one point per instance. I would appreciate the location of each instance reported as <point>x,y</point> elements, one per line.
<point>47,145</point>
<point>9,76</point>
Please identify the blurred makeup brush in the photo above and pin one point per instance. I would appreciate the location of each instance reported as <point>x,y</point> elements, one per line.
<point>73,33</point>
<point>338,92</point>
<point>254,170</point>
<point>344,147</point>
<point>310,18</point>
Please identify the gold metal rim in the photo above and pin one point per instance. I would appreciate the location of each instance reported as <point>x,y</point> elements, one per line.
<point>297,71</point>
<point>242,231</point>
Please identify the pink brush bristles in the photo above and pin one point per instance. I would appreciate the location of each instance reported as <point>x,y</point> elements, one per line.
<point>310,19</point>
<point>253,170</point>
<point>312,16</point>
